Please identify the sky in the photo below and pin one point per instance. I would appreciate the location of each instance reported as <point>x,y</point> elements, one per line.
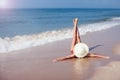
<point>60,3</point>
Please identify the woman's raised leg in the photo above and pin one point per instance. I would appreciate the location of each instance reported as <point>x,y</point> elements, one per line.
<point>74,39</point>
<point>78,35</point>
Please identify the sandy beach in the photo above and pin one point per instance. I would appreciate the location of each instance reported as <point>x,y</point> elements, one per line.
<point>36,63</point>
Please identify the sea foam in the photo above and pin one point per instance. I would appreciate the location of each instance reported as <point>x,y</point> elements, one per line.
<point>26,41</point>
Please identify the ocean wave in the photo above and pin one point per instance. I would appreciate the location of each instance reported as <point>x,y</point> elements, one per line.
<point>26,41</point>
<point>116,18</point>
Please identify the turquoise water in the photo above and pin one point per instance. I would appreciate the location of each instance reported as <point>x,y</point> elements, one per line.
<point>33,27</point>
<point>32,21</point>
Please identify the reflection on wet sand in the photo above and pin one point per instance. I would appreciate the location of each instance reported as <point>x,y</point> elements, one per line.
<point>81,69</point>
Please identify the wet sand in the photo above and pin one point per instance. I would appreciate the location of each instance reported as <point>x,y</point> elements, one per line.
<point>36,63</point>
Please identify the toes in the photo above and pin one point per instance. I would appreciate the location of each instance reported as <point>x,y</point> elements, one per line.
<point>75,19</point>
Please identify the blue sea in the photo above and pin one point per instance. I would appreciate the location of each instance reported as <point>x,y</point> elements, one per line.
<point>24,28</point>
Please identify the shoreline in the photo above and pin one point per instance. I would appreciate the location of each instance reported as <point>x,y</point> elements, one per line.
<point>36,63</point>
<point>9,44</point>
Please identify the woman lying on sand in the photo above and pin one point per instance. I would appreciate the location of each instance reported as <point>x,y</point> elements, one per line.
<point>76,39</point>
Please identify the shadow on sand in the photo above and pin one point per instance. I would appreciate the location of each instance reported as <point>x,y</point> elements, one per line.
<point>91,48</point>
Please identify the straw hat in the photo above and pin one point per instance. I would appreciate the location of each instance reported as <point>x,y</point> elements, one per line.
<point>81,50</point>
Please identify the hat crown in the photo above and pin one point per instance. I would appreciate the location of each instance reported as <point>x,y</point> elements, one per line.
<point>81,50</point>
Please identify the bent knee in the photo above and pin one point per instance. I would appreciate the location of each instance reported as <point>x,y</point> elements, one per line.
<point>71,51</point>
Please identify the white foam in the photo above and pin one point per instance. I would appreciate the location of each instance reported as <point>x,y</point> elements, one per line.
<point>21,42</point>
<point>116,18</point>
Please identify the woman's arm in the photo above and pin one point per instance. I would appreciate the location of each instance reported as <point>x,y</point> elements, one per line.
<point>64,58</point>
<point>98,56</point>
<point>73,56</point>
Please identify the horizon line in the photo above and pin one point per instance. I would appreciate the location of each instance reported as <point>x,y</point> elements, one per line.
<point>58,8</point>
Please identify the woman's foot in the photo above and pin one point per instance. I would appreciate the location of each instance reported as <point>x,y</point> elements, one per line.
<point>75,22</point>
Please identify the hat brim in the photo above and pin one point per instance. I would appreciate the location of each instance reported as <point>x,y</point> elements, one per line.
<point>81,50</point>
